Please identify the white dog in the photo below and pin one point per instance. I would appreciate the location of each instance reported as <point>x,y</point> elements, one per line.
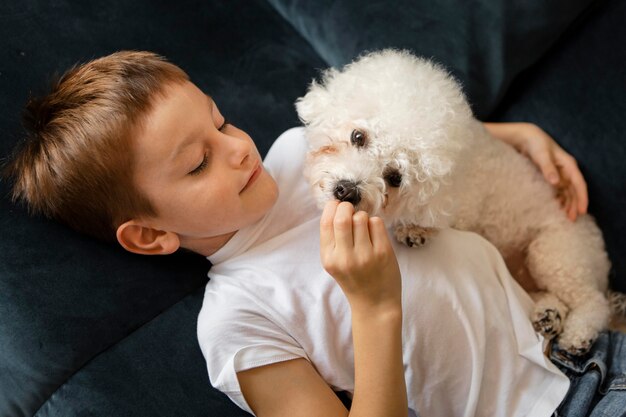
<point>393,134</point>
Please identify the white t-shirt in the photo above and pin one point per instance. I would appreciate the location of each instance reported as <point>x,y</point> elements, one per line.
<point>468,346</point>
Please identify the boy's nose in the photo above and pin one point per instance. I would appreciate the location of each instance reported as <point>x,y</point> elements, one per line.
<point>240,153</point>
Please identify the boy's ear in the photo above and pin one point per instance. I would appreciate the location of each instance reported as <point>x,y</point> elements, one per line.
<point>137,238</point>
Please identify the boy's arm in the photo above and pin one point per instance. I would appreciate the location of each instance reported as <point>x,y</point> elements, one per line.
<point>294,388</point>
<point>356,251</point>
<point>289,389</point>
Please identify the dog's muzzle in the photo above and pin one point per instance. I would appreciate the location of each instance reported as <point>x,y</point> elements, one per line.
<point>347,191</point>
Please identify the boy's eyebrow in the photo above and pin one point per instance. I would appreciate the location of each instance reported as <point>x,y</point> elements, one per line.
<point>190,137</point>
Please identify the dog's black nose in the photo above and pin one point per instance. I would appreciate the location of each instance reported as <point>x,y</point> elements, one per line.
<point>347,191</point>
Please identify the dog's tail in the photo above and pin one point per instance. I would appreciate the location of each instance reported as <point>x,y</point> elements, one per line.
<point>617,303</point>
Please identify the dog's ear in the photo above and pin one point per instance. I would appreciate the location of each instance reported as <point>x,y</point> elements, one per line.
<point>317,99</point>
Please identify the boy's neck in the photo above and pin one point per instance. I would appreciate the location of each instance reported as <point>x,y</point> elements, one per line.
<point>207,246</point>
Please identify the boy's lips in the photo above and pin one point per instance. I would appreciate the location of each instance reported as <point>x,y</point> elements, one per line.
<point>253,176</point>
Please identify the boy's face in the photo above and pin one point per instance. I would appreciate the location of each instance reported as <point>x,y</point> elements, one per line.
<point>204,175</point>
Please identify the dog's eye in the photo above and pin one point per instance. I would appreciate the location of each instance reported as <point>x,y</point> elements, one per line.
<point>358,138</point>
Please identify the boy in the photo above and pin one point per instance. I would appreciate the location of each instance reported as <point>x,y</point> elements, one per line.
<point>127,149</point>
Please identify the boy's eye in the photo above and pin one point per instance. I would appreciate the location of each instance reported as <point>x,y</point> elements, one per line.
<point>200,167</point>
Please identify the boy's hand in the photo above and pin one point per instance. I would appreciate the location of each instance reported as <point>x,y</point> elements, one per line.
<point>356,251</point>
<point>558,167</point>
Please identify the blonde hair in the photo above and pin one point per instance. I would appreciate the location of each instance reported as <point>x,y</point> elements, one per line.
<point>76,163</point>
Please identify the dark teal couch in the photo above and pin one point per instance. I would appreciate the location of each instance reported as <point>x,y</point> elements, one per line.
<point>87,329</point>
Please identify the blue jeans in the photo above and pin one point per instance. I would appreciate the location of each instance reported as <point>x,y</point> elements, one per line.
<point>598,379</point>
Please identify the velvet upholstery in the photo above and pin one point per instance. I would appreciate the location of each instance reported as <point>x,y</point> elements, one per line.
<point>484,43</point>
<point>88,329</point>
<point>576,93</point>
<point>65,299</point>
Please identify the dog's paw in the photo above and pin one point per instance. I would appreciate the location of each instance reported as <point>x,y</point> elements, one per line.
<point>549,314</point>
<point>548,322</point>
<point>583,325</point>
<point>412,235</point>
<point>578,333</point>
<point>575,346</point>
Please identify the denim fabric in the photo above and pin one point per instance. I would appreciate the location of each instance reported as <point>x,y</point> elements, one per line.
<point>598,379</point>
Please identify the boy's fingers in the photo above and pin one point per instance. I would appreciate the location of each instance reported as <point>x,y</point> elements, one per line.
<point>548,169</point>
<point>360,222</point>
<point>569,205</point>
<point>378,233</point>
<point>564,194</point>
<point>342,225</point>
<point>572,172</point>
<point>327,237</point>
<point>575,201</point>
<point>580,188</point>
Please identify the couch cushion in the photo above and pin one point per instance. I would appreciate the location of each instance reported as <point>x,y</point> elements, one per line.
<point>158,370</point>
<point>576,94</point>
<point>484,43</point>
<point>65,298</point>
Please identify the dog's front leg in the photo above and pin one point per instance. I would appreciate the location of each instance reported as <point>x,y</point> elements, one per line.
<point>414,235</point>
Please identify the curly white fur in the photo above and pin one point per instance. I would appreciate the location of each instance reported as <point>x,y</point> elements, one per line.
<point>416,123</point>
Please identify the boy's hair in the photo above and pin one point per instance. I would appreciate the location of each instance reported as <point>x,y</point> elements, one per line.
<point>76,163</point>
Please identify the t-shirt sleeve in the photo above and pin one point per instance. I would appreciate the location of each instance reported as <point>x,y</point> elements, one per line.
<point>237,337</point>
<point>285,158</point>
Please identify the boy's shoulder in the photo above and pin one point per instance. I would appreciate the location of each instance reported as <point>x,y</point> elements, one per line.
<point>288,151</point>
